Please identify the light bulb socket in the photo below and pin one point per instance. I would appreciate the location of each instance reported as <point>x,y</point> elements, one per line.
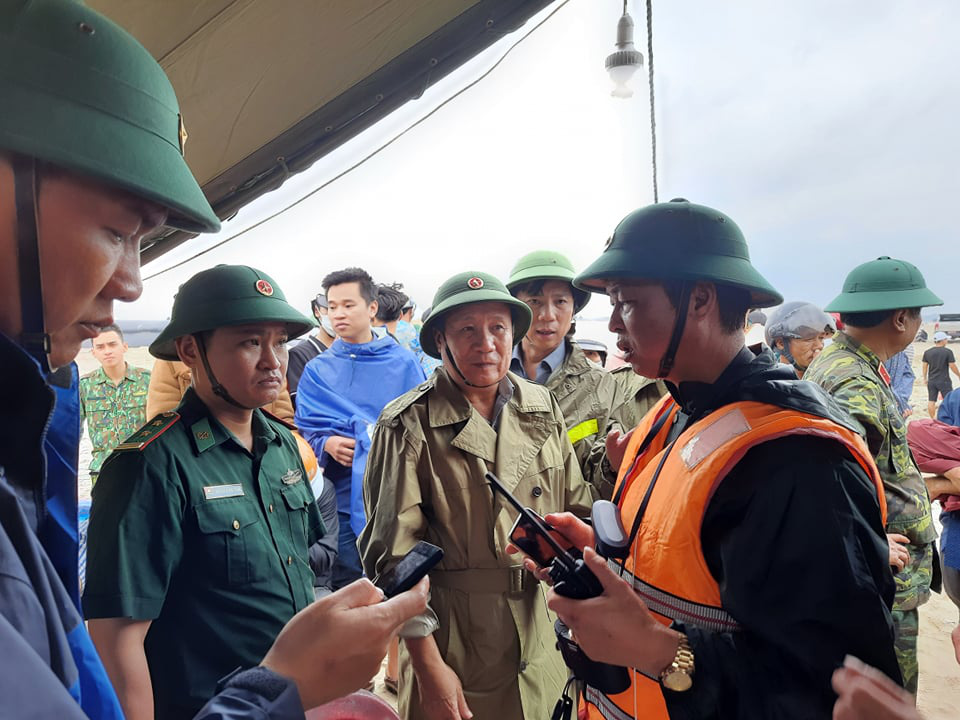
<point>621,58</point>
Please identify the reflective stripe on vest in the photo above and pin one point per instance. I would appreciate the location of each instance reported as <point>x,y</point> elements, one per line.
<point>676,608</point>
<point>667,566</point>
<point>607,707</point>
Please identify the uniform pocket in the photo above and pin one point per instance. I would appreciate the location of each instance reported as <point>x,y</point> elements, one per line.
<point>232,541</point>
<point>297,503</point>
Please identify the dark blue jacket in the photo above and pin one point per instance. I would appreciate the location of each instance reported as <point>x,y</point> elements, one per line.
<point>48,665</point>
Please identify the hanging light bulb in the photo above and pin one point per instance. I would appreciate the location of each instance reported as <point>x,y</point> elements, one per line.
<point>623,62</point>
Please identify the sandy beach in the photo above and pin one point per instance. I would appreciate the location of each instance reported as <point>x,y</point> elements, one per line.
<point>939,695</point>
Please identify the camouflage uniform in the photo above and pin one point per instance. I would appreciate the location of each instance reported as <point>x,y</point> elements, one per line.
<point>639,394</point>
<point>851,373</point>
<point>113,412</point>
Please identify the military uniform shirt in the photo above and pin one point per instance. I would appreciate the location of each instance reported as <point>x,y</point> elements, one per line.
<point>207,540</point>
<point>851,373</point>
<point>113,412</point>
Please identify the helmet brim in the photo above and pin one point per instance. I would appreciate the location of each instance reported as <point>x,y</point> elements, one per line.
<point>620,264</point>
<point>110,149</point>
<point>883,300</point>
<point>242,312</point>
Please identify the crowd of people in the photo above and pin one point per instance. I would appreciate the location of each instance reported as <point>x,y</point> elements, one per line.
<point>776,533</point>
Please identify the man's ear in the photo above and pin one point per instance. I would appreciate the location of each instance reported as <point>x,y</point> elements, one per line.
<point>703,297</point>
<point>374,306</point>
<point>188,351</point>
<point>899,320</point>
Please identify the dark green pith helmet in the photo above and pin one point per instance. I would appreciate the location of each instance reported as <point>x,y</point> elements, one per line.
<point>223,296</point>
<point>547,265</point>
<point>883,284</point>
<point>77,91</point>
<point>465,289</point>
<point>679,240</point>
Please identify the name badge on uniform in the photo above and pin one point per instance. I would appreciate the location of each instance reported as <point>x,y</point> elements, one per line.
<point>291,477</point>
<point>215,492</point>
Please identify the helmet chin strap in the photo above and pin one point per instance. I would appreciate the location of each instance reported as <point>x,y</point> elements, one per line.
<point>670,356</point>
<point>33,336</point>
<point>453,364</point>
<point>219,390</point>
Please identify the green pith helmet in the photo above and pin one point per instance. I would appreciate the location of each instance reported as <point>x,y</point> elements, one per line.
<point>883,284</point>
<point>223,296</point>
<point>547,265</point>
<point>679,240</point>
<point>465,289</point>
<point>80,93</point>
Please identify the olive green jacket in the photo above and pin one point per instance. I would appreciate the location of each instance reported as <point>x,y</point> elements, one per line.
<point>851,373</point>
<point>637,394</point>
<point>425,481</point>
<point>588,397</point>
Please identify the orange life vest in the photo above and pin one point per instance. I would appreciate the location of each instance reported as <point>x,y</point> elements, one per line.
<point>666,565</point>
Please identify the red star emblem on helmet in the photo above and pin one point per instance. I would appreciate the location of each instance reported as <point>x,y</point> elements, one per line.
<point>475,283</point>
<point>264,288</point>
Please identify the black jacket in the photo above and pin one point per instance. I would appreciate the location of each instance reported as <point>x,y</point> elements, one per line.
<point>794,539</point>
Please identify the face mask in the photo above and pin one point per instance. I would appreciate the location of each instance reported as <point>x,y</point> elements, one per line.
<point>327,325</point>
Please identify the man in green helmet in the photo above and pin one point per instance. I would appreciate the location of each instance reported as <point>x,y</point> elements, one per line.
<point>91,164</point>
<point>737,598</point>
<point>197,549</point>
<point>589,397</point>
<point>484,649</point>
<point>880,307</point>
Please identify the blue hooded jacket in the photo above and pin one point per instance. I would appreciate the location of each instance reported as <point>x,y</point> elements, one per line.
<point>342,392</point>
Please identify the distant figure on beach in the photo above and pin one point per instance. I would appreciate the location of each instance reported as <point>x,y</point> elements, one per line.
<point>938,363</point>
<point>113,399</point>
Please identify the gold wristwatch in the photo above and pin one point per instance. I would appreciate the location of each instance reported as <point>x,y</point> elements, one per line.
<point>679,674</point>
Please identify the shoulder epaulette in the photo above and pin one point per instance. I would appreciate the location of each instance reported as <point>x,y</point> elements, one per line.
<point>394,408</point>
<point>150,432</point>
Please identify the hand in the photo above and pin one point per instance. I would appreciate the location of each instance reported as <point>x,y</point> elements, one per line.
<point>340,449</point>
<point>865,693</point>
<point>899,555</point>
<point>617,447</point>
<point>616,627</point>
<point>907,412</point>
<point>955,637</point>
<point>319,650</point>
<point>575,530</point>
<point>441,693</point>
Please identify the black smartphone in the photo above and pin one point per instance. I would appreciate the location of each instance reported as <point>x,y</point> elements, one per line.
<point>527,536</point>
<point>534,532</point>
<point>411,569</point>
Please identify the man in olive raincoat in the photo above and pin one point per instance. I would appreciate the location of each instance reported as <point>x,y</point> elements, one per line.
<point>485,646</point>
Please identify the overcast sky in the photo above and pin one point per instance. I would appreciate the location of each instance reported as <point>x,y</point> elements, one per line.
<point>827,130</point>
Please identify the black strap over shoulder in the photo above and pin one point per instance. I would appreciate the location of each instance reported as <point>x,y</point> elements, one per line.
<point>33,336</point>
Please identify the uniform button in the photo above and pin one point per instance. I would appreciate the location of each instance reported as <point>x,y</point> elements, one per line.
<point>537,491</point>
<point>289,560</point>
<point>236,524</point>
<point>523,665</point>
<point>271,507</point>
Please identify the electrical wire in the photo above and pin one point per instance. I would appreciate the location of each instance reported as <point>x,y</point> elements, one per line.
<point>653,116</point>
<point>363,160</point>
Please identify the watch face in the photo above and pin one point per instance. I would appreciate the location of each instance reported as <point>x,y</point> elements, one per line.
<point>677,681</point>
